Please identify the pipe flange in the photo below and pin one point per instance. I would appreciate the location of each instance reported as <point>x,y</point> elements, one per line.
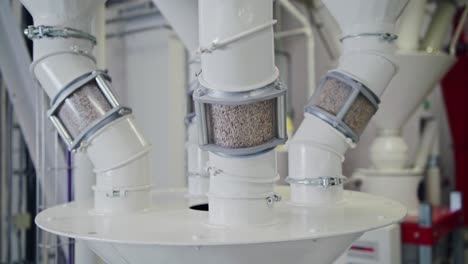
<point>323,182</point>
<point>39,32</point>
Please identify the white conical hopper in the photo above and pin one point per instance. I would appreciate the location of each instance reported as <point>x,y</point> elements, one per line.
<point>365,16</point>
<point>417,75</point>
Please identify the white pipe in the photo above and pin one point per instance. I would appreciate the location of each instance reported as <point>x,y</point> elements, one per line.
<point>437,31</point>
<point>99,26</point>
<point>310,43</point>
<point>118,151</point>
<point>239,188</point>
<point>425,146</point>
<point>183,17</point>
<point>248,62</point>
<point>433,186</point>
<point>328,28</point>
<point>237,54</point>
<point>410,25</point>
<point>83,180</point>
<point>198,178</point>
<point>317,150</point>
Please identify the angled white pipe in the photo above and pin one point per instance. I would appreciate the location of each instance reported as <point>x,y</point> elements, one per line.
<point>118,151</point>
<point>317,150</point>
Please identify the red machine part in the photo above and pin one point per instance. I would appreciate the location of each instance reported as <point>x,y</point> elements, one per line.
<point>455,91</point>
<point>444,221</point>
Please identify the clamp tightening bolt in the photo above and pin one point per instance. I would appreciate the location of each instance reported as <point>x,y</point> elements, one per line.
<point>272,199</point>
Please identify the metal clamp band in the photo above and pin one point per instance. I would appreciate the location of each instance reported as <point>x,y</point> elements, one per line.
<point>323,182</point>
<point>33,32</point>
<point>383,36</point>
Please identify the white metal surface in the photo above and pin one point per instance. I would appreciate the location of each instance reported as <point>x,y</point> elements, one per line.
<point>198,178</point>
<point>316,150</point>
<point>380,246</point>
<point>365,16</point>
<point>367,58</point>
<point>183,17</point>
<point>389,150</point>
<point>409,25</point>
<point>417,75</point>
<point>374,70</point>
<point>398,185</point>
<point>437,30</point>
<point>51,54</point>
<point>169,232</point>
<point>239,188</point>
<point>123,175</point>
<point>247,63</point>
<point>310,42</point>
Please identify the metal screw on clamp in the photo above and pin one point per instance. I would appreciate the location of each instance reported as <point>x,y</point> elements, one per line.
<point>272,199</point>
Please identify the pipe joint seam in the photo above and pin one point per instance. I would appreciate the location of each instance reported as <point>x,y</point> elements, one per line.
<point>241,123</point>
<point>267,196</point>
<point>125,162</point>
<point>121,192</point>
<point>238,178</point>
<point>74,50</point>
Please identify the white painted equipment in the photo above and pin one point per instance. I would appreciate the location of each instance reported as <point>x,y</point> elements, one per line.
<point>246,222</point>
<point>418,74</point>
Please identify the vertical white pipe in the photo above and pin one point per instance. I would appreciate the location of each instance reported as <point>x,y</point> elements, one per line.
<point>434,182</point>
<point>198,178</point>
<point>247,63</point>
<point>288,6</point>
<point>99,26</point>
<point>410,25</point>
<point>177,95</point>
<point>239,186</point>
<point>425,146</point>
<point>437,31</point>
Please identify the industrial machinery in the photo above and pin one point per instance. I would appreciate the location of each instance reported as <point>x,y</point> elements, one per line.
<point>240,111</point>
<point>233,209</point>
